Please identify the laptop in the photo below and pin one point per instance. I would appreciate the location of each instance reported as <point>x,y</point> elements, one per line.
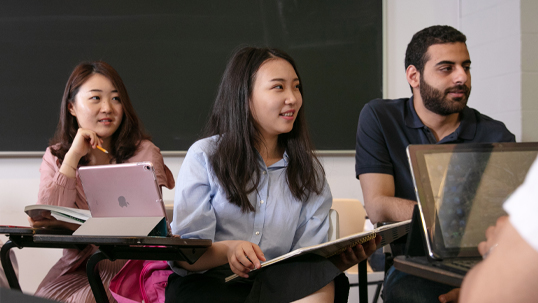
<point>460,192</point>
<point>124,200</point>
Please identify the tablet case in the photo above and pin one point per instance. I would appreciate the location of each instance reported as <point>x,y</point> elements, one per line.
<point>124,199</point>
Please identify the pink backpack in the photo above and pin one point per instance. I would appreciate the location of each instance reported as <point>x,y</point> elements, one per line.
<point>141,280</point>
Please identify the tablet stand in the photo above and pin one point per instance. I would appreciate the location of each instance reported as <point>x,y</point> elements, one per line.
<point>416,245</point>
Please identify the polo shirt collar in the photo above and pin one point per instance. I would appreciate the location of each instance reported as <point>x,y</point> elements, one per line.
<point>467,128</point>
<point>410,116</point>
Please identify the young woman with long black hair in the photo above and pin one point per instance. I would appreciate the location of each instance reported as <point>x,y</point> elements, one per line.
<point>255,187</point>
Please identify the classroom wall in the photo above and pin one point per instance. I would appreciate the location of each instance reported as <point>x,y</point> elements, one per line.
<point>494,40</point>
<point>403,19</point>
<point>503,38</point>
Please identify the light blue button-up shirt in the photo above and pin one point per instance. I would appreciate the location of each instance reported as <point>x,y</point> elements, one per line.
<point>279,225</point>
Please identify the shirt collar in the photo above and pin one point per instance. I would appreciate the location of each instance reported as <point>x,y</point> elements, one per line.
<point>410,115</point>
<point>282,162</point>
<point>279,164</point>
<point>466,130</point>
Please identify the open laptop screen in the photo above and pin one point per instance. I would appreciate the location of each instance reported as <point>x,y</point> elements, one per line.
<point>461,188</point>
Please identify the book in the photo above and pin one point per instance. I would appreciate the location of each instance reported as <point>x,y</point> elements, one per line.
<point>388,233</point>
<point>61,213</point>
<point>28,230</point>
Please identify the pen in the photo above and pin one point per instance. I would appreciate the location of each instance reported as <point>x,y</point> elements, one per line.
<point>102,149</point>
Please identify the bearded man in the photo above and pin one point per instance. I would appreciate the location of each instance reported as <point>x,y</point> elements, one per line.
<point>438,70</point>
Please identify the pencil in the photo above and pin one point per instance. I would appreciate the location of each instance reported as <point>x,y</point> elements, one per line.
<point>102,149</point>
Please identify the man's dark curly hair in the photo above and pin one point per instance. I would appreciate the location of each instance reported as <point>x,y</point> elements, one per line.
<point>416,53</point>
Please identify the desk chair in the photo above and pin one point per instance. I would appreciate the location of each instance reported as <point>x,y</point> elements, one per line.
<point>169,208</point>
<point>352,216</point>
<point>334,228</point>
<point>3,279</point>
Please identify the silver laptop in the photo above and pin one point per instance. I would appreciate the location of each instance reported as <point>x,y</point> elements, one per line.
<point>460,191</point>
<point>122,194</point>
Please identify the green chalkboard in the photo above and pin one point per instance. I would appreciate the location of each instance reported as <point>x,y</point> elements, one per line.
<point>171,55</point>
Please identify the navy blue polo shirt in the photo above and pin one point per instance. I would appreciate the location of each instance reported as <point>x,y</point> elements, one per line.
<point>387,127</point>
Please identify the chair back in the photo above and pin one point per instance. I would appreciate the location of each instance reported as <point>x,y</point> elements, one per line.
<point>351,216</point>
<point>169,208</point>
<point>334,229</point>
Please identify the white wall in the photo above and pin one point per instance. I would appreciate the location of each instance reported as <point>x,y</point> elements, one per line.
<point>491,27</point>
<point>494,41</point>
<point>403,19</point>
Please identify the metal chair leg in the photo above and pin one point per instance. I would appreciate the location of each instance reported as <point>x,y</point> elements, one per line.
<point>94,278</point>
<point>377,291</point>
<point>8,266</point>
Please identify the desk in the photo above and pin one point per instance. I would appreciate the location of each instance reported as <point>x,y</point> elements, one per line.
<point>419,266</point>
<point>111,248</point>
<point>12,296</point>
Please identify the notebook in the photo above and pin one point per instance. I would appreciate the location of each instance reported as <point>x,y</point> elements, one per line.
<point>124,200</point>
<point>460,191</point>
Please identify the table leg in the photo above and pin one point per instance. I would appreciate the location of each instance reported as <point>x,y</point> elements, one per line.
<point>8,266</point>
<point>363,282</point>
<point>94,278</point>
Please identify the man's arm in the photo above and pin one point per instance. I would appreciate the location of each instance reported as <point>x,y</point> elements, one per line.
<point>508,274</point>
<point>381,205</point>
<point>379,201</point>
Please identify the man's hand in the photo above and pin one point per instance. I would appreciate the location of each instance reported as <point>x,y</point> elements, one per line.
<point>492,235</point>
<point>485,247</point>
<point>450,297</point>
<point>508,272</point>
<point>354,255</point>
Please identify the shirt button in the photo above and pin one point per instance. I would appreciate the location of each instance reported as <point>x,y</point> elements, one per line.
<point>262,201</point>
<point>257,233</point>
<point>264,172</point>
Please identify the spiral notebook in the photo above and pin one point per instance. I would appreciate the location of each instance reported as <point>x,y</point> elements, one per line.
<point>388,234</point>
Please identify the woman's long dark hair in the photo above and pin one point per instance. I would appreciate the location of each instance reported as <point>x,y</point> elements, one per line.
<point>125,139</point>
<point>235,158</point>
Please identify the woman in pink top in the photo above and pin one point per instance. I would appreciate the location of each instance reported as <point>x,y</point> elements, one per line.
<point>95,111</point>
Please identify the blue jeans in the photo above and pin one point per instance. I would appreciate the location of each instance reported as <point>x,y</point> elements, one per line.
<point>402,287</point>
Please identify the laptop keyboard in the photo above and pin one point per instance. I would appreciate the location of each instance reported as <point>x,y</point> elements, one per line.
<point>460,265</point>
<point>465,263</point>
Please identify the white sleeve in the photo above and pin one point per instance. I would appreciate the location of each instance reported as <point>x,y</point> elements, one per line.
<point>522,206</point>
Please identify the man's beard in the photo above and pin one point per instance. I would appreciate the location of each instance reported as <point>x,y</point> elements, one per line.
<point>439,103</point>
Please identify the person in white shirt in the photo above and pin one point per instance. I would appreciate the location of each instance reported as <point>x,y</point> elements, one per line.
<point>254,187</point>
<point>510,268</point>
